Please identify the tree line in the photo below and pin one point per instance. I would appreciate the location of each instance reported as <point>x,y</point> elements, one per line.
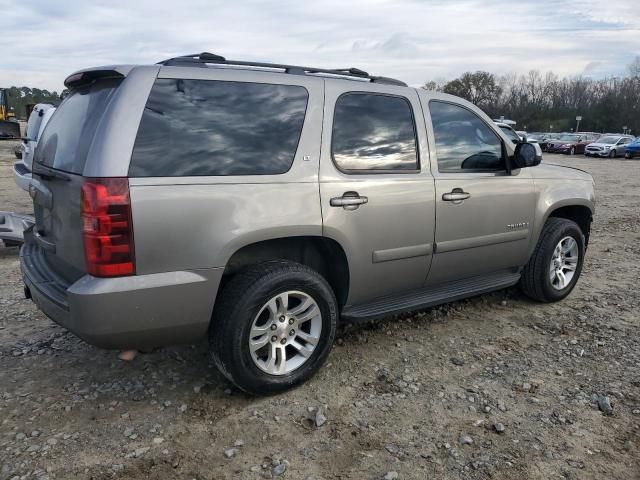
<point>546,102</point>
<point>20,97</point>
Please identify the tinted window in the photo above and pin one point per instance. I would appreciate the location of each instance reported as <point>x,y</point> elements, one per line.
<point>510,133</point>
<point>374,132</point>
<point>463,141</point>
<point>35,120</point>
<point>67,137</point>
<point>210,127</point>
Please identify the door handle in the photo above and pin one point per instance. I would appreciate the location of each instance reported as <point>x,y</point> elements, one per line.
<point>348,201</point>
<point>457,195</point>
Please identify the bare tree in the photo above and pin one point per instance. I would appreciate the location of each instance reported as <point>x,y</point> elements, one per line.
<point>540,101</point>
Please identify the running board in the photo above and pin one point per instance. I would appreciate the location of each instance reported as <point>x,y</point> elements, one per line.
<point>430,296</point>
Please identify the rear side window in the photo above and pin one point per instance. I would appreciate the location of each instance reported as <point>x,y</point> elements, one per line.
<point>33,125</point>
<point>374,132</point>
<point>211,127</point>
<point>67,137</point>
<point>463,141</point>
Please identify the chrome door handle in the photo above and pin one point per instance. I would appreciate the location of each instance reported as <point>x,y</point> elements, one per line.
<point>456,195</point>
<point>348,201</point>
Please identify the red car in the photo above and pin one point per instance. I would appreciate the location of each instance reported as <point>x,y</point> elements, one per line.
<point>571,143</point>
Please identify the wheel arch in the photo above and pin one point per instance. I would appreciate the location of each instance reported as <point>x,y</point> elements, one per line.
<point>581,214</point>
<point>323,254</point>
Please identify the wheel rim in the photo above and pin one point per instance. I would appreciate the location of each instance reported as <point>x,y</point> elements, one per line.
<point>564,263</point>
<point>285,332</point>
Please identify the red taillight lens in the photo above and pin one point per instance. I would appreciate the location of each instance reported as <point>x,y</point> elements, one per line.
<point>107,227</point>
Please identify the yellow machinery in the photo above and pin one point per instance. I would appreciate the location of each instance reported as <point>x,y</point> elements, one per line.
<point>9,127</point>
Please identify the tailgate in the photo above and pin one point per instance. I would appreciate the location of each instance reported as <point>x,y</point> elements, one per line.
<point>59,162</point>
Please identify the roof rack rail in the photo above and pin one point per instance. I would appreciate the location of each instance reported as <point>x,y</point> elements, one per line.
<point>201,60</point>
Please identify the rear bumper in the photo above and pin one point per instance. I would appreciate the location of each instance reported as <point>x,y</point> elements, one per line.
<point>139,311</point>
<point>22,175</point>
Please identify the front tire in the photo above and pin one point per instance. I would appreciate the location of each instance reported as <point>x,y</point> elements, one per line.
<point>555,266</point>
<point>273,326</point>
<point>572,151</point>
<point>613,154</point>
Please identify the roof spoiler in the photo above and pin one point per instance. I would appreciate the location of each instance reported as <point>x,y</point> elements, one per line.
<point>85,77</point>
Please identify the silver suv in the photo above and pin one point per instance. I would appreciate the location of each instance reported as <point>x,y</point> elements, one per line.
<point>259,204</point>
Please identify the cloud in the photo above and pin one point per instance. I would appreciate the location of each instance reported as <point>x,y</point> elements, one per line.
<point>413,40</point>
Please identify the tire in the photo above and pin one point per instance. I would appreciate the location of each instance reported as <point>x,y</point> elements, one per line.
<point>613,154</point>
<point>536,281</point>
<point>628,156</point>
<point>572,151</point>
<point>243,302</point>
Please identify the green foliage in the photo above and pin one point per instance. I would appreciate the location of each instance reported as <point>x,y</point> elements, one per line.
<point>20,97</point>
<point>480,88</point>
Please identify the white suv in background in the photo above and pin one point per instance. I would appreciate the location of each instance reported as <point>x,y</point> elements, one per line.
<point>38,120</point>
<point>516,137</point>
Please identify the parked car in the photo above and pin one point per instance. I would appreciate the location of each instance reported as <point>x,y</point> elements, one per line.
<point>548,138</point>
<point>515,137</point>
<point>38,120</point>
<point>608,146</point>
<point>535,137</point>
<point>259,206</point>
<point>632,149</point>
<point>570,143</point>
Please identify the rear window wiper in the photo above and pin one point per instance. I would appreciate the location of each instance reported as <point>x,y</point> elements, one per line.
<point>49,173</point>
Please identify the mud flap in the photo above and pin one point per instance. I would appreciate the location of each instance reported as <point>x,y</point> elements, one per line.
<point>12,227</point>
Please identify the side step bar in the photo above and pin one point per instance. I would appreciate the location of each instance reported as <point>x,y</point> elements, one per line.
<point>430,296</point>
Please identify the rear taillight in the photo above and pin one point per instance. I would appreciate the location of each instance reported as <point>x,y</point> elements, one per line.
<point>107,227</point>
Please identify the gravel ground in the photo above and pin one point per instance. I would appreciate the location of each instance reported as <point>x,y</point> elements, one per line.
<point>492,387</point>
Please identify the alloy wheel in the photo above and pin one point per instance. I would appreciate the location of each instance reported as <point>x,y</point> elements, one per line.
<point>564,263</point>
<point>285,332</point>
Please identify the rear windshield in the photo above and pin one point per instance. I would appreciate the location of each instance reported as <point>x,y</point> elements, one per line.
<point>68,135</point>
<point>213,127</point>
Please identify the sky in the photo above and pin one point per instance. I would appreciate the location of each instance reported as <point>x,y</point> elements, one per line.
<point>43,41</point>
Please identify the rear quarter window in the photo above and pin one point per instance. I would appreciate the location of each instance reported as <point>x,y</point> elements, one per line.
<point>213,127</point>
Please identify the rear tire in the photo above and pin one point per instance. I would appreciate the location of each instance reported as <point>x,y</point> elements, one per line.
<point>538,280</point>
<point>264,299</point>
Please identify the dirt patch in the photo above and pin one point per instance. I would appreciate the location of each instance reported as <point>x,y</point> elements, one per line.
<point>492,387</point>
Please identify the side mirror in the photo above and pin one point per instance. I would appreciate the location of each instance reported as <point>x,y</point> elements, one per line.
<point>525,156</point>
